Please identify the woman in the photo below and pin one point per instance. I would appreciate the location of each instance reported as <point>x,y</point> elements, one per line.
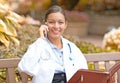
<point>52,59</point>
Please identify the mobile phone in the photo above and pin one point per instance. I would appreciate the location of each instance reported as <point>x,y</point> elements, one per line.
<point>45,34</point>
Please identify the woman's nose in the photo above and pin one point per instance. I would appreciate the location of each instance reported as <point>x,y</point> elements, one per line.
<point>57,25</point>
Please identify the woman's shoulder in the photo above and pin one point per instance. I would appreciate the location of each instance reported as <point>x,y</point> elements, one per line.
<point>39,42</point>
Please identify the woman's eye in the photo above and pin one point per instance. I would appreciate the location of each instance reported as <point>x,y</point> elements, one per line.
<point>61,22</point>
<point>51,22</point>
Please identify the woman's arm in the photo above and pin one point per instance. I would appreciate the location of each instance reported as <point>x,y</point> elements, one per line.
<point>30,60</point>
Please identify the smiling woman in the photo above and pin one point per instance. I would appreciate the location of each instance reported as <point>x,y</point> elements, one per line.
<point>52,58</point>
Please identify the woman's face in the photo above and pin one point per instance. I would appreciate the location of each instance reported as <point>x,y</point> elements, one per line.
<point>56,24</point>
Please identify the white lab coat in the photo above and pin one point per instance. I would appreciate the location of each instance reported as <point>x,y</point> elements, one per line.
<point>39,59</point>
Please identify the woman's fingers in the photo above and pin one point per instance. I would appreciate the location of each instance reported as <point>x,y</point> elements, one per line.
<point>43,31</point>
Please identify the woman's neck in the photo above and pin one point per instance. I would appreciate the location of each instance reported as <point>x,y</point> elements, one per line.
<point>57,42</point>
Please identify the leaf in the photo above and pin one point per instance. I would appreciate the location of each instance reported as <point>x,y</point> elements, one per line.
<point>15,40</point>
<point>2,13</point>
<point>4,40</point>
<point>14,23</point>
<point>3,27</point>
<point>4,9</point>
<point>12,19</point>
<point>15,17</point>
<point>10,28</point>
<point>3,1</point>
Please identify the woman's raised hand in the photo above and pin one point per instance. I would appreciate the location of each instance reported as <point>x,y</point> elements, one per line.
<point>43,31</point>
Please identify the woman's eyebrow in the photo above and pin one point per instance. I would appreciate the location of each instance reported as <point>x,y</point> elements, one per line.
<point>55,20</point>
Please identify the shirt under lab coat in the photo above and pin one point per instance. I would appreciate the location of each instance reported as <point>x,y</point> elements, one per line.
<point>39,61</point>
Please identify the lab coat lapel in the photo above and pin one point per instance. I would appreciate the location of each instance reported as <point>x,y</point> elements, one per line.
<point>50,71</point>
<point>67,62</point>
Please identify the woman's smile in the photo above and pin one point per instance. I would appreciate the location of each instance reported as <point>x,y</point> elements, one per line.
<point>56,31</point>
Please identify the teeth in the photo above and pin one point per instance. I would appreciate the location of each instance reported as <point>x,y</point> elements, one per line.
<point>56,31</point>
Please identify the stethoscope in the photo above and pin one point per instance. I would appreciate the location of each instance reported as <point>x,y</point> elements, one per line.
<point>70,58</point>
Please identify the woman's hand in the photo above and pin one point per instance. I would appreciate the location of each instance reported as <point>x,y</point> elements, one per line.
<point>43,31</point>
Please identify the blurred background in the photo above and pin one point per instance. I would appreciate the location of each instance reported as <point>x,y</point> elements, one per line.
<point>102,15</point>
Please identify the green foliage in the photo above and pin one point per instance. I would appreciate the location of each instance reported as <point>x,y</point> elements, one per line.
<point>91,66</point>
<point>86,47</point>
<point>2,75</point>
